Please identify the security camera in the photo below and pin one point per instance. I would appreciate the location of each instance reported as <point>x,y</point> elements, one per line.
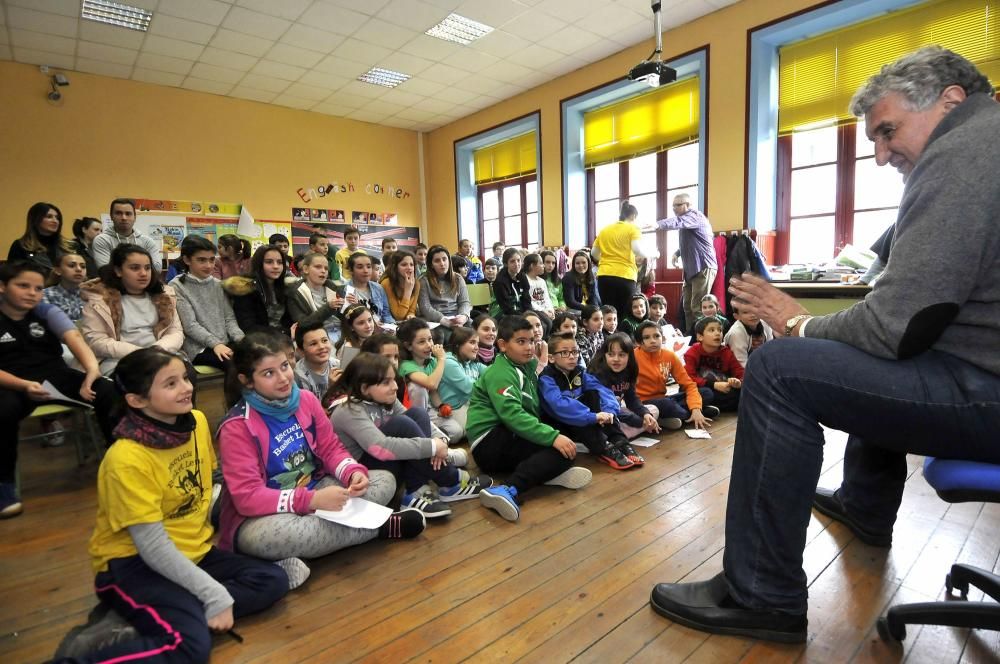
<point>60,79</point>
<point>55,95</point>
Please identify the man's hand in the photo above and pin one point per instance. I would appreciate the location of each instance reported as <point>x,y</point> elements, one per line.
<point>605,418</point>
<point>735,383</point>
<point>721,386</point>
<point>756,295</point>
<point>565,446</point>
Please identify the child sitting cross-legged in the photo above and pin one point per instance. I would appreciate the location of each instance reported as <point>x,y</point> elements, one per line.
<point>610,315</point>
<point>282,461</point>
<point>375,428</point>
<point>712,365</point>
<point>574,401</point>
<point>315,372</point>
<point>615,366</point>
<point>639,313</point>
<point>747,334</point>
<point>423,367</point>
<point>591,333</point>
<point>462,368</point>
<point>505,430</point>
<point>656,366</point>
<point>710,309</point>
<point>163,587</point>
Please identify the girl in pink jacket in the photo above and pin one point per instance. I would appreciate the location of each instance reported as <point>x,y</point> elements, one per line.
<point>282,461</point>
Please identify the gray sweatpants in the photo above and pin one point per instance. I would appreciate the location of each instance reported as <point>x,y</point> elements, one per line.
<point>278,536</point>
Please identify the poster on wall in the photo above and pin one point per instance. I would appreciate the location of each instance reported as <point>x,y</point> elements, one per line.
<point>269,228</point>
<point>406,237</point>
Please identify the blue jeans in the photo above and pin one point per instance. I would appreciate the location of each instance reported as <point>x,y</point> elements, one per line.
<point>932,404</point>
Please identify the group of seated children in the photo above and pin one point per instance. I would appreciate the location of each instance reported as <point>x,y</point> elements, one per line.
<point>354,408</point>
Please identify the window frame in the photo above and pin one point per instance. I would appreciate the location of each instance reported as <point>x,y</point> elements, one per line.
<point>844,204</point>
<point>522,183</point>
<point>663,271</point>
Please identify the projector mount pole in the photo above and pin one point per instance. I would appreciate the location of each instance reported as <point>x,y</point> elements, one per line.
<point>657,28</point>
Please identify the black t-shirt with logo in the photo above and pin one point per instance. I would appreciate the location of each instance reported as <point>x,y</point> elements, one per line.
<point>32,347</point>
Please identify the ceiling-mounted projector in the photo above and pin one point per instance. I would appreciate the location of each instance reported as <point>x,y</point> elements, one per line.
<point>654,72</point>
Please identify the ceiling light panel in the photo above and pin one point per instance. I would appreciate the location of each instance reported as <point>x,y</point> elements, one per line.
<point>458,29</point>
<point>384,77</point>
<point>113,13</point>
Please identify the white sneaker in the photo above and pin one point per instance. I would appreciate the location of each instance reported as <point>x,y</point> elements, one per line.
<point>457,457</point>
<point>296,570</point>
<point>574,478</point>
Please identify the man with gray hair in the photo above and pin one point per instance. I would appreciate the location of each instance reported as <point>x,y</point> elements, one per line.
<point>697,254</point>
<point>914,368</point>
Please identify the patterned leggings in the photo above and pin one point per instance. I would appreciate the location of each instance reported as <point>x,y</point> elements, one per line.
<point>278,536</point>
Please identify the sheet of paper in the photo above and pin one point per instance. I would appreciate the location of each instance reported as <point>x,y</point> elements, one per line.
<point>59,396</point>
<point>697,433</point>
<point>643,441</point>
<point>245,226</point>
<point>358,513</point>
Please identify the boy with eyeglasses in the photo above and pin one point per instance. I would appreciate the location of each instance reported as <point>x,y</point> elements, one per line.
<point>576,403</point>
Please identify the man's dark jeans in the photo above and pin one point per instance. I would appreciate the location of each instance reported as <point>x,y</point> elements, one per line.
<point>932,404</point>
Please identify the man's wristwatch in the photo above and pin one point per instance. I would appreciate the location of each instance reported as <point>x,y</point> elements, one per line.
<point>793,321</point>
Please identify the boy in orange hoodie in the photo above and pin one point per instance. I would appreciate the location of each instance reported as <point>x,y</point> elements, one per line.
<point>656,365</point>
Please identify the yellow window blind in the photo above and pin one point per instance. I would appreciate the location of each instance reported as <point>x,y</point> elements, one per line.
<point>508,159</point>
<point>818,76</point>
<point>667,116</point>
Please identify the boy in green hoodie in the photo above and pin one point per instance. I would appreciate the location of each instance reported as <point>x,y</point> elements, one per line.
<point>505,430</point>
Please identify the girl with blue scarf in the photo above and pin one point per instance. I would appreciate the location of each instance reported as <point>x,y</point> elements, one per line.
<point>282,461</point>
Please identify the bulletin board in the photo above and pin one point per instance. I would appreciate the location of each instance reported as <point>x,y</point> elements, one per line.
<point>169,221</point>
<point>406,237</point>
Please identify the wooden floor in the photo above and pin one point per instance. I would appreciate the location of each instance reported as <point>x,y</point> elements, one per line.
<point>569,582</point>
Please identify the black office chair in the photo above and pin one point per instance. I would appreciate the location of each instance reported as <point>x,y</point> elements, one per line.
<point>955,482</point>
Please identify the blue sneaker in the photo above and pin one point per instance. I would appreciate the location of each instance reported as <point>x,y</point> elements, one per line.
<point>10,505</point>
<point>502,499</point>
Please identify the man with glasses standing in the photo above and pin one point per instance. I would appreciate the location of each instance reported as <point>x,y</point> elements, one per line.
<point>697,254</point>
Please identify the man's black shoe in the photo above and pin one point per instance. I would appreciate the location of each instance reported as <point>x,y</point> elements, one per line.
<point>707,606</point>
<point>828,502</point>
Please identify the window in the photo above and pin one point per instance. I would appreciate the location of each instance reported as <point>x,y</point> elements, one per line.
<point>649,182</point>
<point>508,213</point>
<point>831,193</point>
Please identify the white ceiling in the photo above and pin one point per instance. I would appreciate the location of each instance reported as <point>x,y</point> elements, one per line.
<point>306,54</point>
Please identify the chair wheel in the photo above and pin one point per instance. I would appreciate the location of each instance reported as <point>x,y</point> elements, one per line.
<point>888,633</point>
<point>961,587</point>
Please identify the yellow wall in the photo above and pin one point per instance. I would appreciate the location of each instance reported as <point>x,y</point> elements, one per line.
<point>724,31</point>
<point>110,137</point>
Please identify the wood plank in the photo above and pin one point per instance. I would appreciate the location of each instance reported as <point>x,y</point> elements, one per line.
<point>569,582</point>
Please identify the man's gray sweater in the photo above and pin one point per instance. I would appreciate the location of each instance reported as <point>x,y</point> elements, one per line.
<point>941,287</point>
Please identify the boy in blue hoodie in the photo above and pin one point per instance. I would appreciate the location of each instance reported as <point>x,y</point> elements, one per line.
<point>576,403</point>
